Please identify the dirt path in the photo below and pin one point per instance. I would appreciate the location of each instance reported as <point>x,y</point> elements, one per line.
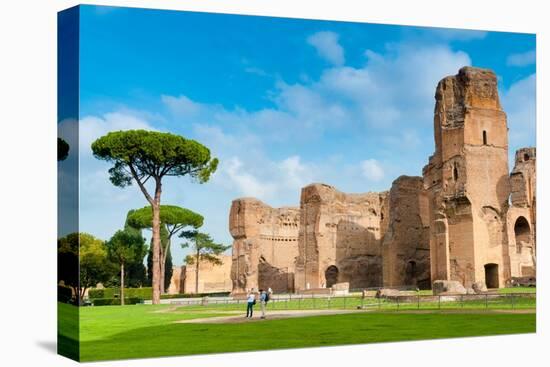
<point>272,315</point>
<point>233,318</point>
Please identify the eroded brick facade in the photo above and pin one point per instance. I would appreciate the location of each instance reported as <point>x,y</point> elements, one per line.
<point>466,219</point>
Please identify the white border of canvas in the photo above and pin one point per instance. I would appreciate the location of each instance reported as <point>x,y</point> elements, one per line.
<point>28,181</point>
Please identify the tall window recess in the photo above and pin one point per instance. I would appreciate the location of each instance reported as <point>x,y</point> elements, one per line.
<point>455,172</point>
<point>484,137</point>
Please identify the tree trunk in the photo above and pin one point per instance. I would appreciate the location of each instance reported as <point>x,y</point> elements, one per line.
<point>80,296</point>
<point>122,283</point>
<point>156,244</point>
<point>162,268</point>
<point>163,265</point>
<point>197,273</point>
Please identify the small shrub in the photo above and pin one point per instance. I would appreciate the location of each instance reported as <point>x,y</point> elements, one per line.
<point>116,301</point>
<point>143,293</point>
<point>194,295</point>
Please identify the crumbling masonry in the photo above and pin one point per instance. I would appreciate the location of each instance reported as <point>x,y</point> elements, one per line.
<point>465,219</point>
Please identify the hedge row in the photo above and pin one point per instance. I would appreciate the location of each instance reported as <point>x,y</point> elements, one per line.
<point>143,293</point>
<point>116,301</point>
<point>194,295</point>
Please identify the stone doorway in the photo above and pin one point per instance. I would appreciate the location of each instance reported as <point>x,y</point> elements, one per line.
<point>491,275</point>
<point>331,276</point>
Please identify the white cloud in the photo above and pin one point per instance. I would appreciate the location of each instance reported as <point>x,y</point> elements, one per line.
<point>372,170</point>
<point>294,173</point>
<point>276,182</point>
<point>181,105</point>
<point>246,182</point>
<point>522,59</point>
<point>256,71</point>
<point>93,127</point>
<point>326,44</point>
<point>377,97</point>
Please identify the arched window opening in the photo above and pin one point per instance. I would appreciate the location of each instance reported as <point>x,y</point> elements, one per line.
<point>455,173</point>
<point>522,232</point>
<point>484,137</point>
<point>525,157</point>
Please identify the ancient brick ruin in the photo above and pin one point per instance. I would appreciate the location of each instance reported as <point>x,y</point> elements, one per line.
<point>406,250</point>
<point>521,216</point>
<point>340,238</point>
<point>265,246</point>
<point>212,278</point>
<point>466,219</point>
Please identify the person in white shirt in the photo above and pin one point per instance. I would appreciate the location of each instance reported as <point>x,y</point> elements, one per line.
<point>251,301</point>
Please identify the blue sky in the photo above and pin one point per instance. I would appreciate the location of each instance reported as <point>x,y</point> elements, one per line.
<point>281,102</point>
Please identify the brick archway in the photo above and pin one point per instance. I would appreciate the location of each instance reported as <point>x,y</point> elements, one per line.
<point>522,233</point>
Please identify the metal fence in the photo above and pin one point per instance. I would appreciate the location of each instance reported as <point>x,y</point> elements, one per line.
<point>486,301</point>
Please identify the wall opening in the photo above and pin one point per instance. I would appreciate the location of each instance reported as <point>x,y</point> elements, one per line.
<point>455,173</point>
<point>484,137</point>
<point>331,276</point>
<point>525,157</point>
<point>522,232</point>
<point>491,275</point>
<point>410,273</point>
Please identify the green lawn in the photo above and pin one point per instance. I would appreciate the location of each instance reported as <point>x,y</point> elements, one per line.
<point>117,332</point>
<point>517,290</point>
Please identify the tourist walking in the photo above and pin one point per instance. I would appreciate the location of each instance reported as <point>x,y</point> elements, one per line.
<point>263,302</point>
<point>251,301</point>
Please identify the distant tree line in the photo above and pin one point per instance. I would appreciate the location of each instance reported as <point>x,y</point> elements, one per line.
<point>144,158</point>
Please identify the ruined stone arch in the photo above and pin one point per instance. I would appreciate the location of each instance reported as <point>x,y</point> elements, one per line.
<point>522,233</point>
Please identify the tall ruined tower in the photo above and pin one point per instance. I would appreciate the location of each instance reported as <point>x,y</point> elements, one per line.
<point>467,181</point>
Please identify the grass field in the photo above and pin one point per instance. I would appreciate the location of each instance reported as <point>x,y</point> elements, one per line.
<point>118,332</point>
